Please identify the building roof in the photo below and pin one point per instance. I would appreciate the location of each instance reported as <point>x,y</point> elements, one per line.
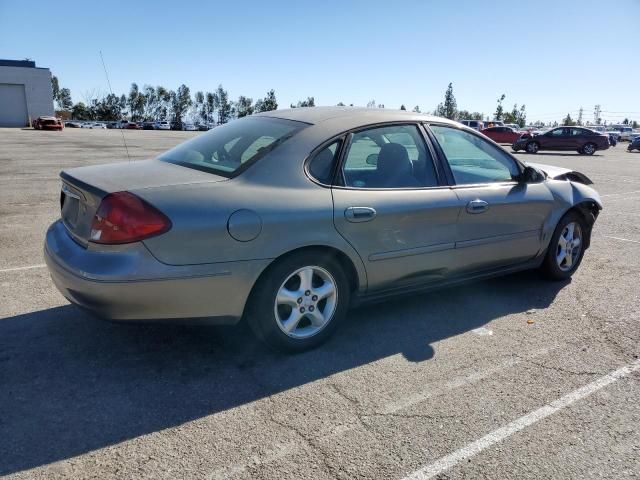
<point>17,63</point>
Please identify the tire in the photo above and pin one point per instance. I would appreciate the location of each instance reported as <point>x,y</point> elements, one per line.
<point>532,147</point>
<point>312,319</point>
<point>589,149</point>
<point>558,264</point>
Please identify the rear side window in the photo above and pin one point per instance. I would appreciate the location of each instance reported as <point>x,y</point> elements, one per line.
<point>322,165</point>
<point>226,149</point>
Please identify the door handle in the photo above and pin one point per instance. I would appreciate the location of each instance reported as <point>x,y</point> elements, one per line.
<point>359,214</point>
<point>477,206</point>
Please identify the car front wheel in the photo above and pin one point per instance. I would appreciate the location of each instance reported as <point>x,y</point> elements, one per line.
<point>532,147</point>
<point>299,302</point>
<point>566,248</point>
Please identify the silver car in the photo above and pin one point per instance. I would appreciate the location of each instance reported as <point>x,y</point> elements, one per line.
<point>286,218</point>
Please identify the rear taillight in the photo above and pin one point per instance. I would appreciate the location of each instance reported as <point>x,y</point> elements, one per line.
<point>124,218</point>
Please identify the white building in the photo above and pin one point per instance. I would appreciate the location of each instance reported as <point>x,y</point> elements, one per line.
<point>25,92</point>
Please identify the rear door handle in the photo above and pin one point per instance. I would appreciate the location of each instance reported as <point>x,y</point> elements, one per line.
<point>359,214</point>
<point>477,206</point>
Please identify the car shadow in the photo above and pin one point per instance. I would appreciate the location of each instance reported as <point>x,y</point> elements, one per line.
<point>71,384</point>
<point>555,154</point>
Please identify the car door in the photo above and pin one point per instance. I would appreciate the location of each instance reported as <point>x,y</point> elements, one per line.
<point>557,139</point>
<point>392,205</point>
<point>501,219</point>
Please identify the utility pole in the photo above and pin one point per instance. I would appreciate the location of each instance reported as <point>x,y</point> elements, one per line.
<point>596,115</point>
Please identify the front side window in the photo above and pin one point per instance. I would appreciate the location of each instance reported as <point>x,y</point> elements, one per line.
<point>472,159</point>
<point>394,156</point>
<point>225,149</point>
<point>558,132</point>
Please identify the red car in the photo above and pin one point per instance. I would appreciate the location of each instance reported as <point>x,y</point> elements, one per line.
<point>502,134</point>
<point>48,123</point>
<point>132,126</point>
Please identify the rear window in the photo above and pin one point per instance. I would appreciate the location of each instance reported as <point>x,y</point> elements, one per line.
<point>225,150</point>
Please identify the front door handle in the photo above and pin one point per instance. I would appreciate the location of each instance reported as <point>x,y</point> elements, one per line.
<point>477,206</point>
<point>359,214</point>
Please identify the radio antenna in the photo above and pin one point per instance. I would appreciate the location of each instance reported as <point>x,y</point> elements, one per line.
<point>111,91</point>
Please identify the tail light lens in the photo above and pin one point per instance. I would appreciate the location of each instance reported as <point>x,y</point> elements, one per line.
<point>124,218</point>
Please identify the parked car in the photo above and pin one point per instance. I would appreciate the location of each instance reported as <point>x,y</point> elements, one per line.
<point>86,125</point>
<point>162,125</point>
<point>634,144</point>
<point>502,134</point>
<point>202,127</point>
<point>212,228</point>
<point>48,123</point>
<point>99,125</point>
<point>493,123</point>
<point>475,124</point>
<point>148,125</point>
<point>580,139</point>
<point>189,127</point>
<point>625,131</point>
<point>176,125</point>
<point>131,126</point>
<point>515,126</point>
<point>72,124</point>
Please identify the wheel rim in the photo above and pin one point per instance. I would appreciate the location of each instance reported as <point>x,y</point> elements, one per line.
<point>532,147</point>
<point>306,302</point>
<point>588,149</point>
<point>569,246</point>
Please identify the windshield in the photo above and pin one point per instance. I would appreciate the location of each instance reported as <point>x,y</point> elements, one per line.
<point>227,149</point>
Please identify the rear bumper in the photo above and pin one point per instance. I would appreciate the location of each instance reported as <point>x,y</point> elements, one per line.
<point>128,283</point>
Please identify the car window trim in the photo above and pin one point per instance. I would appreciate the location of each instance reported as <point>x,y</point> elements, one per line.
<point>447,167</point>
<point>347,143</point>
<point>314,153</point>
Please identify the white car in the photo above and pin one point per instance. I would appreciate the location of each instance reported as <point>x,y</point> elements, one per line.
<point>189,127</point>
<point>625,131</point>
<point>162,126</point>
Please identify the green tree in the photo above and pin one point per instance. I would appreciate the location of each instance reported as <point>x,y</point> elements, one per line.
<point>199,106</point>
<point>210,102</point>
<point>80,112</point>
<point>340,104</point>
<point>108,108</point>
<point>64,99</point>
<point>244,106</point>
<point>625,121</point>
<point>634,124</point>
<point>568,121</point>
<point>268,103</point>
<point>416,109</point>
<point>371,104</point>
<point>222,105</point>
<point>499,110</point>
<point>450,107</point>
<point>309,102</point>
<point>180,102</point>
<point>136,103</point>
<point>55,87</point>
<point>402,107</point>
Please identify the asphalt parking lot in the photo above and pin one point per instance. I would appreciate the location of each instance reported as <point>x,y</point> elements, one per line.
<point>509,378</point>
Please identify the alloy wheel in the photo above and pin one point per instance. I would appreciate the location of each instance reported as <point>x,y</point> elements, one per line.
<point>306,302</point>
<point>569,246</point>
<point>589,149</point>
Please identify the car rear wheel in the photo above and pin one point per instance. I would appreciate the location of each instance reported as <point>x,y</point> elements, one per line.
<point>299,302</point>
<point>532,147</point>
<point>566,248</point>
<point>589,149</point>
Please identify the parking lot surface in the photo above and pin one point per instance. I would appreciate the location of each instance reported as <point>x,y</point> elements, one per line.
<point>514,377</point>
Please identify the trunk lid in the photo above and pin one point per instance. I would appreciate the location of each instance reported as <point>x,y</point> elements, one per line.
<point>84,188</point>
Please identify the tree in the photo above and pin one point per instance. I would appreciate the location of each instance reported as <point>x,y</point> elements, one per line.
<point>210,103</point>
<point>499,110</point>
<point>64,99</point>
<point>309,102</point>
<point>244,106</point>
<point>340,104</point>
<point>568,121</point>
<point>416,109</point>
<point>450,107</point>
<point>136,103</point>
<point>625,121</point>
<point>371,104</point>
<point>80,112</point>
<point>180,102</point>
<point>439,111</point>
<point>466,115</point>
<point>268,103</point>
<point>634,124</point>
<point>199,107</point>
<point>108,108</point>
<point>402,107</point>
<point>222,105</point>
<point>55,87</point>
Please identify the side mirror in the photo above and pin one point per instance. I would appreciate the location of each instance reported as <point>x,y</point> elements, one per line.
<point>530,175</point>
<point>372,159</point>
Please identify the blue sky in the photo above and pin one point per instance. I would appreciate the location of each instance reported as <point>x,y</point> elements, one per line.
<point>553,56</point>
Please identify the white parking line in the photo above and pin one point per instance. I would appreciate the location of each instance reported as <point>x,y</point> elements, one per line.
<point>17,269</point>
<point>521,423</point>
<point>622,239</point>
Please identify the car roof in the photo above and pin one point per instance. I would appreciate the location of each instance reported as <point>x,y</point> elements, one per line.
<point>350,116</point>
